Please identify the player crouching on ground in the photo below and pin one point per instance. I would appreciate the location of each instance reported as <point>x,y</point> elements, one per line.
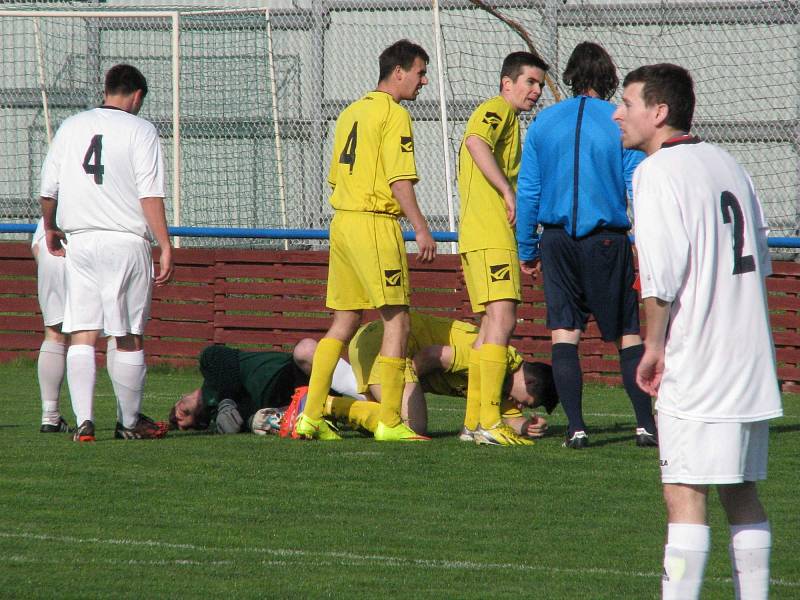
<point>438,362</point>
<point>249,391</point>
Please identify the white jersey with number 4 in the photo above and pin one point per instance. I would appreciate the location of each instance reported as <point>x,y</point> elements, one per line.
<point>702,245</point>
<point>100,164</point>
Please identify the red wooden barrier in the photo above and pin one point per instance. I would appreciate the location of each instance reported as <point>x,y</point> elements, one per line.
<point>270,299</point>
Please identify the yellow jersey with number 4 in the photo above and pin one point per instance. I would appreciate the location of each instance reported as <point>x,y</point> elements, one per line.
<point>483,220</point>
<point>373,147</point>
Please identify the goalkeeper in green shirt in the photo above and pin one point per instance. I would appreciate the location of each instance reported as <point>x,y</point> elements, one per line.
<point>247,391</point>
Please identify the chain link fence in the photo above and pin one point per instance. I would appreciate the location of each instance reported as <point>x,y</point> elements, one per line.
<point>259,91</point>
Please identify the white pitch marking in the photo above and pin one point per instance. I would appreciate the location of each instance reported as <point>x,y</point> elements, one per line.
<point>352,558</point>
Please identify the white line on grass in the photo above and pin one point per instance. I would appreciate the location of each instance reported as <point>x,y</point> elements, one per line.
<point>338,558</point>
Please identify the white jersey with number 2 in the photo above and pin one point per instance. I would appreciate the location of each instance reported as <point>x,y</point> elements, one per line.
<point>100,164</point>
<point>702,245</point>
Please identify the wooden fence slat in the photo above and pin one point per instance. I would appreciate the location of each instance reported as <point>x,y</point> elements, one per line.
<point>200,307</point>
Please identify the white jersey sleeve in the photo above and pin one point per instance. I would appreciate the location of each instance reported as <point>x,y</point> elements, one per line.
<point>702,245</point>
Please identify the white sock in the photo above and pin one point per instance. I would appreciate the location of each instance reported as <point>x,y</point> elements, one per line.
<point>128,379</point>
<point>81,371</point>
<point>749,550</point>
<point>344,380</point>
<point>111,355</point>
<point>50,367</point>
<point>685,557</point>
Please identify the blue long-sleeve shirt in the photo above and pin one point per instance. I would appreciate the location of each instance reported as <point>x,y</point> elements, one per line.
<point>574,173</point>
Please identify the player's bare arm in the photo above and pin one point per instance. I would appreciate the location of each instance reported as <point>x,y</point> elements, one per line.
<point>651,367</point>
<point>482,154</point>
<point>155,215</point>
<point>432,358</point>
<point>403,191</point>
<point>53,236</point>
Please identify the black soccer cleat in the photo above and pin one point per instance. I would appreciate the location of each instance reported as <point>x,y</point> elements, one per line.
<point>578,440</point>
<point>61,427</point>
<point>84,433</point>
<point>646,439</point>
<point>145,429</point>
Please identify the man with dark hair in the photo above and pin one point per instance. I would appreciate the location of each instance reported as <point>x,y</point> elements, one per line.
<point>488,164</point>
<point>102,190</point>
<point>709,356</point>
<point>249,391</point>
<point>440,350</point>
<point>372,173</point>
<point>573,182</point>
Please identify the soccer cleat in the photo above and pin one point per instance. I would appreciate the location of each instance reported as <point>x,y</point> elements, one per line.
<point>145,429</point>
<point>292,413</point>
<point>578,440</point>
<point>314,429</point>
<point>500,435</point>
<point>61,427</point>
<point>644,438</point>
<point>399,433</point>
<point>84,433</point>
<point>466,434</point>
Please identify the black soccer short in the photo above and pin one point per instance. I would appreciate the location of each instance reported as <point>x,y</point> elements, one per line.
<point>591,275</point>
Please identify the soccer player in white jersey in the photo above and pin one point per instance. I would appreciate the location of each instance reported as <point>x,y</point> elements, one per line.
<point>709,356</point>
<point>102,197</point>
<point>51,288</point>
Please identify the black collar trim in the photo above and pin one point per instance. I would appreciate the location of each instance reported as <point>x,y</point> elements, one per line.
<point>681,139</point>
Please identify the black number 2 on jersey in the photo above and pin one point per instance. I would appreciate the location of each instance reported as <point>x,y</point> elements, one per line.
<point>348,155</point>
<point>731,210</point>
<point>94,152</point>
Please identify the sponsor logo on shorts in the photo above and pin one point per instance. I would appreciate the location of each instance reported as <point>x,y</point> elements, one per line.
<point>406,144</point>
<point>392,277</point>
<point>664,462</point>
<point>492,119</point>
<point>500,272</point>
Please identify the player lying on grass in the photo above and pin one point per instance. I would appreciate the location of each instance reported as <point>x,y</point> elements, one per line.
<point>438,362</point>
<point>241,391</point>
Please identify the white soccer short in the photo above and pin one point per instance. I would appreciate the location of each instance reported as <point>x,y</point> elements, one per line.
<point>51,285</point>
<point>698,453</point>
<point>109,283</point>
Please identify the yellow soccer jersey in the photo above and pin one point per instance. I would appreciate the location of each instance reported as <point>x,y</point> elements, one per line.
<point>427,330</point>
<point>483,222</point>
<point>373,147</point>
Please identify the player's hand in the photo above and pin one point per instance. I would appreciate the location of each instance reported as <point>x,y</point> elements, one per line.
<point>56,241</point>
<point>534,427</point>
<point>531,267</point>
<point>650,371</point>
<point>510,199</point>
<point>166,267</point>
<point>426,246</point>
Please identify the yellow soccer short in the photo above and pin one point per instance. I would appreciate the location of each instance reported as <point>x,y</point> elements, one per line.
<point>363,354</point>
<point>368,266</point>
<point>491,274</point>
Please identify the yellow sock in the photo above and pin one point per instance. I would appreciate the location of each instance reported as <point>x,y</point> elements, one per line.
<point>493,373</point>
<point>325,358</point>
<point>473,413</point>
<point>392,378</point>
<point>358,413</point>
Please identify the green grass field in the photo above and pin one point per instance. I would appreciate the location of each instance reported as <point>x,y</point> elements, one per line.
<point>201,516</point>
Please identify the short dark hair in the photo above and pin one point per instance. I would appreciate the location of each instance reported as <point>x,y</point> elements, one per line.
<point>544,390</point>
<point>514,63</point>
<point>125,79</point>
<point>400,54</point>
<point>591,67</point>
<point>668,84</point>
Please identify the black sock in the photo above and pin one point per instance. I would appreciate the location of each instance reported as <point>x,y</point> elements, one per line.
<point>628,361</point>
<point>569,384</point>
